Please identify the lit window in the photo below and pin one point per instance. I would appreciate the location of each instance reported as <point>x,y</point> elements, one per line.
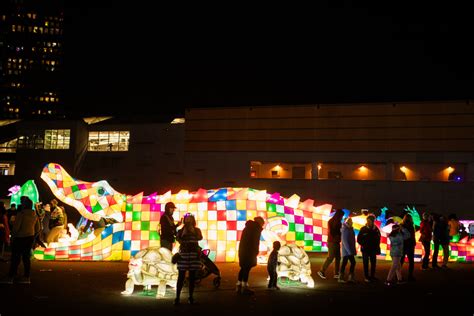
<point>8,147</point>
<point>57,138</point>
<point>7,169</point>
<point>31,140</point>
<point>109,140</point>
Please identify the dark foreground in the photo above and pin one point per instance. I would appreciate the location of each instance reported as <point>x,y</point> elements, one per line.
<point>93,288</point>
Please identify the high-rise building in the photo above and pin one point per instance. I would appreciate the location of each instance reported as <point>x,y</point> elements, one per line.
<point>31,52</point>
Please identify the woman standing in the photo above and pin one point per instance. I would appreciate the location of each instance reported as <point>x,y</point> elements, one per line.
<point>190,253</point>
<point>409,245</point>
<point>426,234</point>
<point>348,250</point>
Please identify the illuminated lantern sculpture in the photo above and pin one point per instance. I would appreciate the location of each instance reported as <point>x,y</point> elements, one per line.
<point>27,189</point>
<point>151,266</point>
<point>220,214</point>
<point>294,264</point>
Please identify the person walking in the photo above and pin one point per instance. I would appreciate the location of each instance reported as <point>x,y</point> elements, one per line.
<point>248,252</point>
<point>348,250</point>
<point>334,244</point>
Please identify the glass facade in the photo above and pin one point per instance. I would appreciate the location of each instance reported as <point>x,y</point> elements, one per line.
<point>109,140</point>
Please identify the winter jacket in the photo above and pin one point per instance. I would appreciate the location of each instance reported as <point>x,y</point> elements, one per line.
<point>426,230</point>
<point>334,226</point>
<point>26,224</point>
<point>272,262</point>
<point>168,227</point>
<point>249,244</point>
<point>441,232</point>
<point>410,240</point>
<point>453,227</point>
<point>369,240</point>
<point>348,241</point>
<point>396,244</point>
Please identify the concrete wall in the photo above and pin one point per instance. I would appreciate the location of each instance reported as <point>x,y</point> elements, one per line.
<point>220,143</point>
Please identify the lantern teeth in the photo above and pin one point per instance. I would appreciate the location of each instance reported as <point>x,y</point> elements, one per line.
<point>307,205</point>
<point>293,201</point>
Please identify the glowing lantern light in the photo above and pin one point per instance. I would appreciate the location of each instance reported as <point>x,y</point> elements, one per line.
<point>220,213</point>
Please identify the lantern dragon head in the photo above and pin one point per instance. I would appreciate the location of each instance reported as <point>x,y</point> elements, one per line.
<point>93,200</point>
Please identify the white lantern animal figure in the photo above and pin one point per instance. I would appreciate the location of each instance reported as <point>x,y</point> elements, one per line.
<point>294,264</point>
<point>151,266</point>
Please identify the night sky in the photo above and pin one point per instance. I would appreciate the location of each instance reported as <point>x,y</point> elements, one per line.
<point>152,57</point>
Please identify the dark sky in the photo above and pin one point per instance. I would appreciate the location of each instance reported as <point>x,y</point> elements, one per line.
<point>153,57</point>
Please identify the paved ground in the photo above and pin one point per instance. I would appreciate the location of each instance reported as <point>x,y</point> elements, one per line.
<point>93,288</point>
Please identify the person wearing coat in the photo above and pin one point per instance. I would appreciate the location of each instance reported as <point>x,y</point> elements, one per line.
<point>440,238</point>
<point>167,228</point>
<point>369,240</point>
<point>24,230</point>
<point>426,234</point>
<point>334,244</point>
<point>397,240</point>
<point>248,251</point>
<point>348,250</point>
<point>189,256</point>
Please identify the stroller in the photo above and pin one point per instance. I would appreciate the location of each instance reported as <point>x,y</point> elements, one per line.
<point>208,267</point>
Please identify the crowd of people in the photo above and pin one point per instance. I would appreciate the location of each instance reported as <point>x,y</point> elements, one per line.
<point>433,228</point>
<point>25,227</point>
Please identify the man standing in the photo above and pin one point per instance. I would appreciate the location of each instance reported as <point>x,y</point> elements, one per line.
<point>248,252</point>
<point>369,240</point>
<point>334,244</point>
<point>168,227</point>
